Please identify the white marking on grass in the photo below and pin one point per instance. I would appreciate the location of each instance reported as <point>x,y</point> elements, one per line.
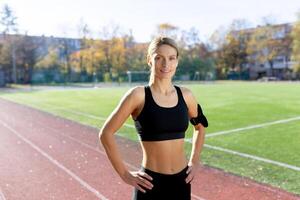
<point>2,197</point>
<point>78,112</point>
<point>242,129</point>
<point>55,162</point>
<point>253,127</point>
<point>293,167</point>
<point>207,135</point>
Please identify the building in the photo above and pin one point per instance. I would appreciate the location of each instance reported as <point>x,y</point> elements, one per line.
<point>268,50</point>
<point>25,51</point>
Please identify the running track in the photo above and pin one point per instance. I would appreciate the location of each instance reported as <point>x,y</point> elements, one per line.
<point>43,156</point>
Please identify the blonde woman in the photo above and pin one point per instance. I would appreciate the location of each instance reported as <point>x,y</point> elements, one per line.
<point>161,112</point>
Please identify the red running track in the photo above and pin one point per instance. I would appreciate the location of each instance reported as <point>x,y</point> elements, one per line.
<point>43,156</point>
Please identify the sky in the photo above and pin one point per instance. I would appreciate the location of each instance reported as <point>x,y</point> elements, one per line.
<point>62,17</point>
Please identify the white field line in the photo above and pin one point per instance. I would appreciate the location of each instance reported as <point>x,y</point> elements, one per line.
<point>55,162</point>
<point>2,197</point>
<point>243,154</point>
<point>253,127</point>
<point>207,136</point>
<point>77,112</point>
<point>280,164</point>
<point>98,150</point>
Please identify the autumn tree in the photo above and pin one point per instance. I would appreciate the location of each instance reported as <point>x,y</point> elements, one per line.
<point>266,43</point>
<point>135,54</point>
<point>230,46</point>
<point>168,30</point>
<point>50,60</point>
<point>113,47</point>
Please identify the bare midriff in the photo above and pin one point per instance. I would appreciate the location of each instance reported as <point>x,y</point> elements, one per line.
<point>166,157</point>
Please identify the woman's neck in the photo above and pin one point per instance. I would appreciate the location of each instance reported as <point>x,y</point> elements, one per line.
<point>163,86</point>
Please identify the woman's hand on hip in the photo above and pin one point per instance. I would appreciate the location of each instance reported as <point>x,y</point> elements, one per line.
<point>192,170</point>
<point>138,179</point>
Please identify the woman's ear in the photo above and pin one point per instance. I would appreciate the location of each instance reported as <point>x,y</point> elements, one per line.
<point>149,61</point>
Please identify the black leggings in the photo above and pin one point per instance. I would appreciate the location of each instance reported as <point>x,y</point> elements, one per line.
<point>165,187</point>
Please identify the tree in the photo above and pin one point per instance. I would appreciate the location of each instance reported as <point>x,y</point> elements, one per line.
<point>77,57</point>
<point>194,54</point>
<point>135,57</point>
<point>88,59</point>
<point>230,44</point>
<point>9,26</point>
<point>296,45</point>
<point>113,46</point>
<point>26,56</point>
<point>168,30</point>
<point>51,60</point>
<point>265,44</point>
<point>8,20</point>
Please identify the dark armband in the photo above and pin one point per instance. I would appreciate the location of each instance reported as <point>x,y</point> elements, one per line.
<point>200,118</point>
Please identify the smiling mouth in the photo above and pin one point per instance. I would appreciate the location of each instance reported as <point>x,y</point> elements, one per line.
<point>164,71</point>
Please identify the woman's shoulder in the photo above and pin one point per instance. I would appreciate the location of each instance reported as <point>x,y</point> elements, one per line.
<point>188,95</point>
<point>136,92</point>
<point>186,92</point>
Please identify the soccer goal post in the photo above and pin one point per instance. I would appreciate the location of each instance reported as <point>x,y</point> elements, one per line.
<point>138,76</point>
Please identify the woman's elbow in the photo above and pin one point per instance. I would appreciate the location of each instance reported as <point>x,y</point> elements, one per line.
<point>104,136</point>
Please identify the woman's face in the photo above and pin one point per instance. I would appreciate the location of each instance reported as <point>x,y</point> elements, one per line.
<point>164,62</point>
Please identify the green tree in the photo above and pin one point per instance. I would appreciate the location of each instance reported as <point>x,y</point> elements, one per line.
<point>8,26</point>
<point>296,45</point>
<point>194,56</point>
<point>26,57</point>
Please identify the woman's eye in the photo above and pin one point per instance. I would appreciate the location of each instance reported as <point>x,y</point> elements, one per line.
<point>157,58</point>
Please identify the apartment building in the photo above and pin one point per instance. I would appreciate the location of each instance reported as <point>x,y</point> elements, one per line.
<point>273,57</point>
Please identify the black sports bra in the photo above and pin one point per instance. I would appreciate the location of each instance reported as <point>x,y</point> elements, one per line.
<point>156,123</point>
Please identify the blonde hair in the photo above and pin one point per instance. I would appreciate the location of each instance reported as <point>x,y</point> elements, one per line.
<point>155,44</point>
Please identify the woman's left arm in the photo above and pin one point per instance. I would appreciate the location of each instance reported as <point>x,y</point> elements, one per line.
<point>197,143</point>
<point>198,136</point>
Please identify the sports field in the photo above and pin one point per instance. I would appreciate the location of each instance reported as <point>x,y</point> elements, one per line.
<point>254,128</point>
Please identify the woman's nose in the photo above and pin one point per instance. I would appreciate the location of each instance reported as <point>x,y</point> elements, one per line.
<point>164,63</point>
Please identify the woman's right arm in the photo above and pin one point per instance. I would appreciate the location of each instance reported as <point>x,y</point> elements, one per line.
<point>127,105</point>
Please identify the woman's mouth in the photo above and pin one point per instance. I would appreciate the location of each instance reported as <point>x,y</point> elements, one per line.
<point>165,71</point>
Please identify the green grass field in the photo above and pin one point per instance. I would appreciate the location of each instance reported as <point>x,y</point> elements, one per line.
<point>227,105</point>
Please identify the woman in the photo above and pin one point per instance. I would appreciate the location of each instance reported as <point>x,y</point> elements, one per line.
<point>161,112</point>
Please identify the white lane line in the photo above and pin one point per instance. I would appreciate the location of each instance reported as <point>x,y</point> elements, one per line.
<point>97,150</point>
<point>248,155</point>
<point>2,197</point>
<point>254,157</point>
<point>55,162</point>
<point>72,111</point>
<point>206,136</point>
<point>253,127</point>
<point>197,197</point>
<point>80,142</point>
